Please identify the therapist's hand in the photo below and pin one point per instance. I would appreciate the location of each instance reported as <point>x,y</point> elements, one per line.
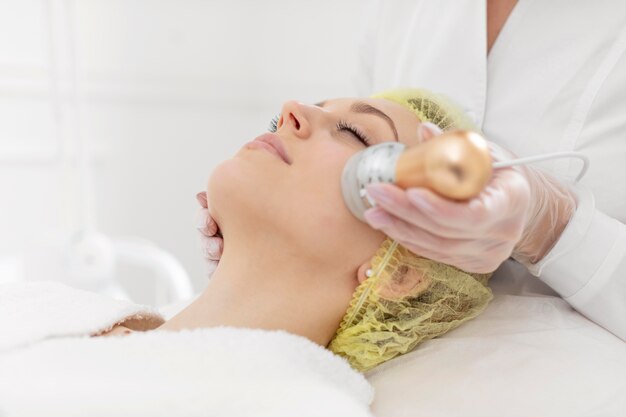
<point>475,235</point>
<point>210,236</point>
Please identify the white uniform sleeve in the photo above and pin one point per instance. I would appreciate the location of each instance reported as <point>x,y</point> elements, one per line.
<point>587,266</point>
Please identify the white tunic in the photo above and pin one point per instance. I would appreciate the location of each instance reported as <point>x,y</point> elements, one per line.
<point>555,80</point>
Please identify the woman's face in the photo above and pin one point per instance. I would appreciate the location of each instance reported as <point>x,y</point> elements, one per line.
<point>295,201</point>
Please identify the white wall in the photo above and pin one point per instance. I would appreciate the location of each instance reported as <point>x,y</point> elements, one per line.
<point>162,90</point>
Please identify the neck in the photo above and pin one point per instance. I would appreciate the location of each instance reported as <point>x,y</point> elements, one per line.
<point>260,286</point>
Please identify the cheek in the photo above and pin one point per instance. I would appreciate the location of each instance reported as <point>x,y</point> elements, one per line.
<point>320,215</point>
<point>318,186</point>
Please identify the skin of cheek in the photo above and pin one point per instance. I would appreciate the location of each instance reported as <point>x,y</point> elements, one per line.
<point>321,224</point>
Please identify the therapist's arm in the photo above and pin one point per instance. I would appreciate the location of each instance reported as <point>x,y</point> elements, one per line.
<point>587,265</point>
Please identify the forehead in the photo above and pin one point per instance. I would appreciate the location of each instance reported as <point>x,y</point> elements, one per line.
<point>405,120</point>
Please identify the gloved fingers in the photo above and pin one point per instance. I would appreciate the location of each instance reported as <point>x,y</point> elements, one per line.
<point>509,191</point>
<point>498,213</point>
<point>438,214</point>
<point>488,260</point>
<point>212,247</point>
<point>418,238</point>
<point>205,223</point>
<point>396,202</point>
<point>211,242</point>
<point>427,130</point>
<point>202,199</point>
<point>472,213</point>
<point>506,196</point>
<point>211,267</point>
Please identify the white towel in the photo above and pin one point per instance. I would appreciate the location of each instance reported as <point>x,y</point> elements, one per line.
<point>34,311</point>
<point>205,372</point>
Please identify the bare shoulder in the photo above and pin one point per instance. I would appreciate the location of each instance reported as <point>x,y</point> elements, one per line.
<point>117,330</point>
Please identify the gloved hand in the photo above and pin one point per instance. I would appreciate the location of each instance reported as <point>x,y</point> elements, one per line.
<point>553,205</point>
<point>211,239</point>
<point>521,212</point>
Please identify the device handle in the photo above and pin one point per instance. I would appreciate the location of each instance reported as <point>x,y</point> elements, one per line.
<point>455,164</point>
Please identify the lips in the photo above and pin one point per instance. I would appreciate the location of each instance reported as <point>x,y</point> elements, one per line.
<point>273,143</point>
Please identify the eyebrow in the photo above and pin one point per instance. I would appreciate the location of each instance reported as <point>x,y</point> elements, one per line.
<point>362,107</point>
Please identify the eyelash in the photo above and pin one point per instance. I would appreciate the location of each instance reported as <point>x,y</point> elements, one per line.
<point>341,126</point>
<point>345,126</point>
<point>273,127</point>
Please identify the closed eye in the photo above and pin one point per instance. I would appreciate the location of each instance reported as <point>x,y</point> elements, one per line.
<point>343,126</point>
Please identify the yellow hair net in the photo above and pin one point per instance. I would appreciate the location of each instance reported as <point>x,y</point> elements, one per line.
<point>430,107</point>
<point>409,299</point>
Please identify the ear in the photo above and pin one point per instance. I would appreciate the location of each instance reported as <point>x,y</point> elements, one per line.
<point>405,282</point>
<point>427,131</point>
<point>361,273</point>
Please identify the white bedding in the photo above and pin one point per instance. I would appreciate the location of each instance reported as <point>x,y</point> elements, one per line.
<point>528,354</point>
<point>50,371</point>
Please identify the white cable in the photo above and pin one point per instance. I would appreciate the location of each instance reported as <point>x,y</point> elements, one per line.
<point>546,157</point>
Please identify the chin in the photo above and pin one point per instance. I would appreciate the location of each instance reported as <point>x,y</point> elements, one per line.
<point>226,187</point>
<point>236,193</point>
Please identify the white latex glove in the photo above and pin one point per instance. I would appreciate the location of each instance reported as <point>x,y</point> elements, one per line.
<point>475,235</point>
<point>211,240</point>
<point>553,205</point>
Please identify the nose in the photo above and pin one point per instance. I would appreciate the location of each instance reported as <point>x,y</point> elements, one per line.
<point>299,118</point>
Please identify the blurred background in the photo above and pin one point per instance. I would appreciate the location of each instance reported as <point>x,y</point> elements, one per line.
<point>114,112</point>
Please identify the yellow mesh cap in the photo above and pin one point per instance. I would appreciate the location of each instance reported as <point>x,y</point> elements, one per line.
<point>430,107</point>
<point>409,299</point>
